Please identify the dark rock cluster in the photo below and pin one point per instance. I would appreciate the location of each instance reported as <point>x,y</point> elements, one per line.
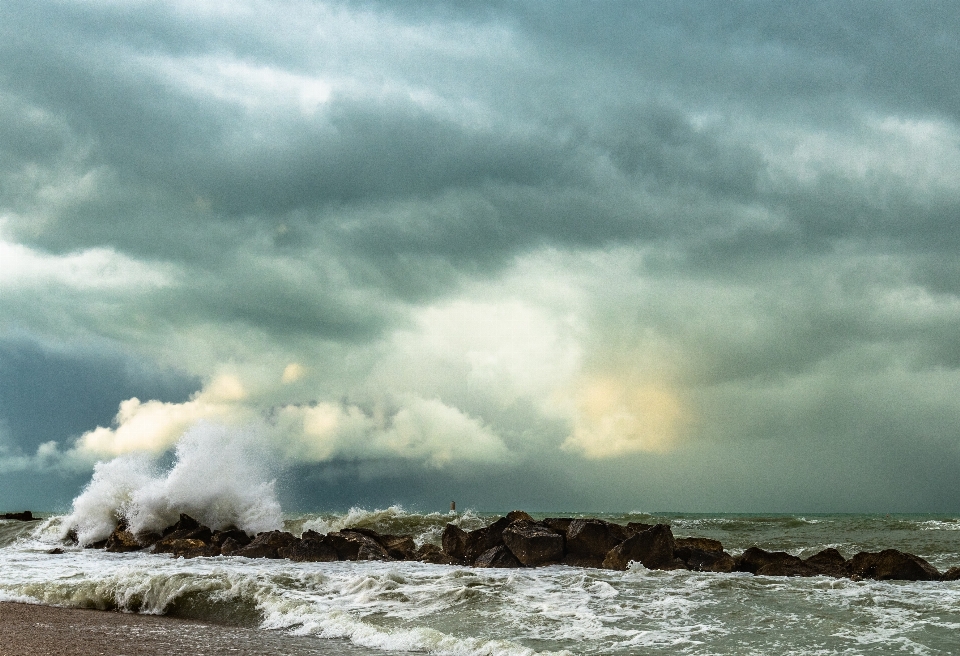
<point>518,540</point>
<point>25,516</point>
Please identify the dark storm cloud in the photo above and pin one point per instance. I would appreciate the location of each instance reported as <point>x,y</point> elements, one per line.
<point>763,194</point>
<point>53,394</point>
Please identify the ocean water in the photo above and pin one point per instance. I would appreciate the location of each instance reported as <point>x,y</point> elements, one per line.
<point>400,607</point>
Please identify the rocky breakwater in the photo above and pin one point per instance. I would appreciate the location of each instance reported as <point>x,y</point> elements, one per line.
<point>518,540</point>
<point>25,516</point>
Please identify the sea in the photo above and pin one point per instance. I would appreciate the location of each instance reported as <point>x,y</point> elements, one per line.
<point>408,607</point>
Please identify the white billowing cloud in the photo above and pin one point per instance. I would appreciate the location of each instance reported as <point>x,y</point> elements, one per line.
<point>154,426</point>
<point>422,430</point>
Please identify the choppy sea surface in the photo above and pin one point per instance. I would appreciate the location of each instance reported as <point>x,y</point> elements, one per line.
<point>402,607</point>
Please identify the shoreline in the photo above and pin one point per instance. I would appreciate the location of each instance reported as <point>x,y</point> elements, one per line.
<point>35,630</point>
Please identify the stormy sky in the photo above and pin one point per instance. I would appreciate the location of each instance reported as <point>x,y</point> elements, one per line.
<point>698,256</point>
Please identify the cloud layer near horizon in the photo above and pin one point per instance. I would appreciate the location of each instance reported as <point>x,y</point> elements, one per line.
<point>690,256</point>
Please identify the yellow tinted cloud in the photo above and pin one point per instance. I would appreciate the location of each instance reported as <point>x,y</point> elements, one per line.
<point>616,416</point>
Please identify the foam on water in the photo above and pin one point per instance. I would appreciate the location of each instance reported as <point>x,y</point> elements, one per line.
<point>395,520</point>
<point>219,477</point>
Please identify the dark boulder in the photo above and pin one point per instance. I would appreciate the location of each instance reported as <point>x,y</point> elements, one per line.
<point>952,574</point>
<point>637,527</point>
<point>703,544</point>
<point>218,538</point>
<point>25,516</point>
<point>431,553</point>
<point>771,563</point>
<point>700,560</point>
<point>518,516</point>
<point>312,547</point>
<point>828,562</point>
<point>484,539</point>
<point>558,524</point>
<point>56,551</point>
<point>172,542</point>
<point>148,538</point>
<point>399,547</point>
<point>653,548</point>
<point>230,547</point>
<point>264,545</point>
<point>532,544</point>
<point>122,540</point>
<point>185,523</point>
<point>188,548</point>
<point>498,556</point>
<point>454,541</point>
<point>466,547</point>
<point>578,560</point>
<point>594,538</point>
<point>892,565</point>
<point>353,545</point>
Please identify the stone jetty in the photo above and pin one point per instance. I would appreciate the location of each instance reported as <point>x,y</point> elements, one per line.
<point>518,540</point>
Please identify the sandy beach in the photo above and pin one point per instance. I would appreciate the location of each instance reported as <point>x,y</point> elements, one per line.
<point>31,630</point>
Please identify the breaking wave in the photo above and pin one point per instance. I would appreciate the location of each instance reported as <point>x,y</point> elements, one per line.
<point>219,476</point>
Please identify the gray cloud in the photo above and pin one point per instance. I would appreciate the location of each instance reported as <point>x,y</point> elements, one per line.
<point>729,227</point>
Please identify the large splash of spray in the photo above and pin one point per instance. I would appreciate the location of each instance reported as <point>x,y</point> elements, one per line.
<point>221,476</point>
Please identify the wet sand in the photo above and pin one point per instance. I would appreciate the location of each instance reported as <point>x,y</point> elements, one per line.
<point>29,630</point>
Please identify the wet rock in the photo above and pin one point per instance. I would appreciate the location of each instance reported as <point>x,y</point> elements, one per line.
<point>700,560</point>
<point>558,524</point>
<point>532,544</point>
<point>653,548</point>
<point>431,553</point>
<point>56,551</point>
<point>703,544</point>
<point>173,543</point>
<point>99,544</point>
<point>148,539</point>
<point>892,565</point>
<point>703,555</point>
<point>454,541</point>
<point>498,556</point>
<point>952,574</point>
<point>518,516</point>
<point>577,560</point>
<point>311,548</point>
<point>354,545</point>
<point>828,562</point>
<point>230,546</point>
<point>185,523</point>
<point>484,539</point>
<point>218,538</point>
<point>399,547</point>
<point>771,563</point>
<point>265,545</point>
<point>25,516</point>
<point>121,541</point>
<point>594,538</point>
<point>188,548</point>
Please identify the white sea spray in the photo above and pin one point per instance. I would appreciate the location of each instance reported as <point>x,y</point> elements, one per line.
<point>220,477</point>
